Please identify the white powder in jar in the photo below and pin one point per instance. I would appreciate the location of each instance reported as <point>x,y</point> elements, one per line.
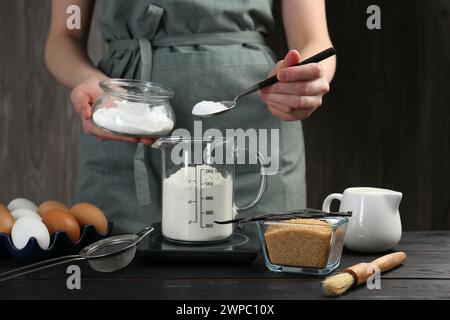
<point>193,198</point>
<point>205,108</point>
<point>134,118</point>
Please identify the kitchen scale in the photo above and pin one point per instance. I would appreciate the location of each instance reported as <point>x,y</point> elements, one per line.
<point>241,247</point>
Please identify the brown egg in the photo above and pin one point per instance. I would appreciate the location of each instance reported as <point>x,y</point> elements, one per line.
<point>50,205</point>
<point>86,213</point>
<point>60,220</point>
<point>6,221</point>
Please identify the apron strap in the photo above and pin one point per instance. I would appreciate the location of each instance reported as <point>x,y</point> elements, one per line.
<point>152,20</point>
<point>215,38</point>
<point>211,38</point>
<point>141,177</point>
<point>146,59</point>
<point>141,174</point>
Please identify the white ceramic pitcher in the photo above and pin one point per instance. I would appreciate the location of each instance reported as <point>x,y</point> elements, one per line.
<point>375,225</point>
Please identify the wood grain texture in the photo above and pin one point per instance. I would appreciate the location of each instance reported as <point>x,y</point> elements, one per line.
<point>425,275</point>
<point>38,128</point>
<point>220,289</point>
<point>385,122</point>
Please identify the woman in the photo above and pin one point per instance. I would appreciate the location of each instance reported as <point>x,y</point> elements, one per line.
<point>203,50</point>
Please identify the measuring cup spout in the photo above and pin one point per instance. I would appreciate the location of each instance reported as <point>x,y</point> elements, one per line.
<point>159,144</point>
<point>164,142</point>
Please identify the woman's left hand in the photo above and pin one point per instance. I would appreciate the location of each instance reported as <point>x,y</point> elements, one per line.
<point>298,92</point>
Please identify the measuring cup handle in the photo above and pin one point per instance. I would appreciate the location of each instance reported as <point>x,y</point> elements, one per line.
<point>261,188</point>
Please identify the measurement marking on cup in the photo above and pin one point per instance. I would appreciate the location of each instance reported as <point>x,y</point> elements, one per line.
<point>201,202</point>
<point>194,201</point>
<point>207,198</point>
<point>200,211</point>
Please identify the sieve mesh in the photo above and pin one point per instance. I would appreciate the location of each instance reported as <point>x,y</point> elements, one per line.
<point>111,254</point>
<point>109,248</point>
<point>113,262</point>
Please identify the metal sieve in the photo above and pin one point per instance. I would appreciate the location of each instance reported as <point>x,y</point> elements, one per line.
<point>106,255</point>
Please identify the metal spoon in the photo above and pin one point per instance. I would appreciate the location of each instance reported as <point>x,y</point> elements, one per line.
<point>269,81</point>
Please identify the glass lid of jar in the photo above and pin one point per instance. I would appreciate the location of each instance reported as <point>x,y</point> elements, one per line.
<point>136,89</point>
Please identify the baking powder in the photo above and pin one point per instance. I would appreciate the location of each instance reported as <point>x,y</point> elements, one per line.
<point>205,108</point>
<point>134,118</point>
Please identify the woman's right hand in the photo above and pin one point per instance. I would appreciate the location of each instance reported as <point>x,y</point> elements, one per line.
<point>83,98</point>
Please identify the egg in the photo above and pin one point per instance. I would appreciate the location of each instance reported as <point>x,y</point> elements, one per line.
<point>86,213</point>
<point>6,221</point>
<point>46,206</point>
<point>28,227</point>
<point>19,213</point>
<point>21,203</point>
<point>60,220</point>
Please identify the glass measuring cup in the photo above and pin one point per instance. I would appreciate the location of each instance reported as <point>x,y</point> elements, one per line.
<point>198,188</point>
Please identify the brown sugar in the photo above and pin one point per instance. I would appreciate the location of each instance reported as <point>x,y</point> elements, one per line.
<point>299,243</point>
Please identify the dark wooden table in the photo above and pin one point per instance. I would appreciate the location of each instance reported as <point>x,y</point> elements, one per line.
<point>426,275</point>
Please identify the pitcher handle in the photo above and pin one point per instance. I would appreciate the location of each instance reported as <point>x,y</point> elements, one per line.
<point>328,200</point>
<point>262,185</point>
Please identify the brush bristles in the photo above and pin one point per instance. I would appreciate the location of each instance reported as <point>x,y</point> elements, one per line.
<point>338,284</point>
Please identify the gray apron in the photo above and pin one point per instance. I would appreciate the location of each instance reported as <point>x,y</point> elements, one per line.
<point>203,50</point>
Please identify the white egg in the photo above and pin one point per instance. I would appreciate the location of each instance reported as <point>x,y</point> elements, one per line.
<point>21,203</point>
<point>20,213</point>
<point>28,227</point>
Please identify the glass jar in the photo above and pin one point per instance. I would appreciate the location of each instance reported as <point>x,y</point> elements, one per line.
<point>134,108</point>
<point>308,246</point>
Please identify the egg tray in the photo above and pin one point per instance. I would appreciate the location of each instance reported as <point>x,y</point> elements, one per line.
<point>60,245</point>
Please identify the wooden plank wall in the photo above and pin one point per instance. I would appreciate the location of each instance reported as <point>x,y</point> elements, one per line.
<point>385,123</point>
<point>38,128</point>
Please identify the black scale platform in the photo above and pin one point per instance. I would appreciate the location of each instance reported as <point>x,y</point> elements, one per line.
<point>241,247</point>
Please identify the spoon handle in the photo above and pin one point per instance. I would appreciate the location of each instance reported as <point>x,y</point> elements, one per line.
<point>273,79</point>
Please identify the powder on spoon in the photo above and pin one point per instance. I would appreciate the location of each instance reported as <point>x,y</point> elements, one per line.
<point>205,108</point>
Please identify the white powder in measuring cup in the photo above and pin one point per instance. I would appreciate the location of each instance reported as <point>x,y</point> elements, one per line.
<point>193,198</point>
<point>205,108</point>
<point>134,118</point>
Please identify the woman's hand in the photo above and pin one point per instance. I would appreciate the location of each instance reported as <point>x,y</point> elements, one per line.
<point>299,90</point>
<point>83,98</point>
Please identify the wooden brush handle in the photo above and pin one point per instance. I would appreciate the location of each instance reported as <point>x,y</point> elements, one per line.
<point>362,271</point>
<point>390,261</point>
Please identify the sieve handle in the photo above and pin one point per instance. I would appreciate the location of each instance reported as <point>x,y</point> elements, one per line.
<point>38,266</point>
<point>142,234</point>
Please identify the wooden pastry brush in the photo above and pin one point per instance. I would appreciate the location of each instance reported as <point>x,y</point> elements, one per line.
<point>358,274</point>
